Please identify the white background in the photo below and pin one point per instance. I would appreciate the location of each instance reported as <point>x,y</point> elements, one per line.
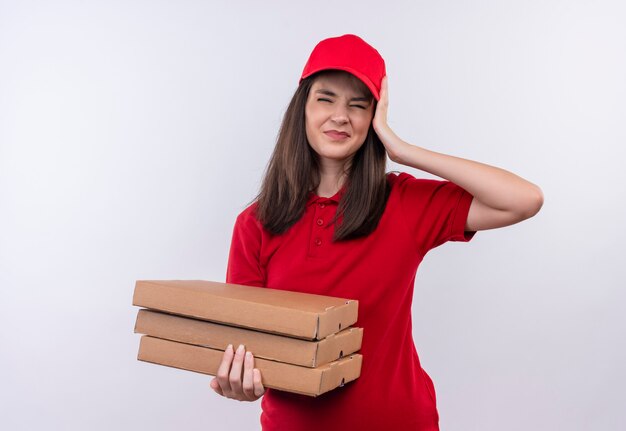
<point>133,132</point>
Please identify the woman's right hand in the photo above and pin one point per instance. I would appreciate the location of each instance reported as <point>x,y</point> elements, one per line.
<point>229,381</point>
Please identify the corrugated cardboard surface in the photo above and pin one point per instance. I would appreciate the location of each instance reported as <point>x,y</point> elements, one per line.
<point>261,344</point>
<point>276,375</point>
<point>295,314</point>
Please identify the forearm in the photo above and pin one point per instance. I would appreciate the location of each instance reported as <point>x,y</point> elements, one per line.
<point>494,187</point>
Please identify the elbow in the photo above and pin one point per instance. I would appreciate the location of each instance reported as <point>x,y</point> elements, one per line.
<point>532,203</point>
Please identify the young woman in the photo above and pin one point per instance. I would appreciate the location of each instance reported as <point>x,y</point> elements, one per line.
<point>329,220</point>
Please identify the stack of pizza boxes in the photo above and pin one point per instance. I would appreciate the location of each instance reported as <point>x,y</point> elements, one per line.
<point>302,343</point>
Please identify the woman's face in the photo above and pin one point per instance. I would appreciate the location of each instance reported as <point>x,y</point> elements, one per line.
<point>332,105</point>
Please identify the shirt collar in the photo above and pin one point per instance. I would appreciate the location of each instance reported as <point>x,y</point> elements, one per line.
<point>313,198</point>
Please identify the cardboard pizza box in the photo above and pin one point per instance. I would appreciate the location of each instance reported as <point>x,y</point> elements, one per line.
<point>295,314</point>
<point>276,375</point>
<point>307,353</point>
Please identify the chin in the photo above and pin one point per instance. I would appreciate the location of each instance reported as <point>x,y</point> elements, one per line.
<point>336,151</point>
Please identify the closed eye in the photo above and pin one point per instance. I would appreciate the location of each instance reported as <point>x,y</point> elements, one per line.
<point>356,106</point>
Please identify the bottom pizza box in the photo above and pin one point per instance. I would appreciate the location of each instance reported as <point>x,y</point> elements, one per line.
<point>275,375</point>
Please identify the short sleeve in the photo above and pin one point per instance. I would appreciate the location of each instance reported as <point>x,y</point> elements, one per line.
<point>244,265</point>
<point>435,211</point>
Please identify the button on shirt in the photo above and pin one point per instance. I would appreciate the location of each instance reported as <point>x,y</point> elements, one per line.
<point>393,391</point>
<point>321,233</point>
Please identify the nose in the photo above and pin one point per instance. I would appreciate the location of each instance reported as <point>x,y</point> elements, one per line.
<point>340,114</point>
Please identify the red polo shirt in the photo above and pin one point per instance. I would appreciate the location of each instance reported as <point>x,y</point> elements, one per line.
<point>393,391</point>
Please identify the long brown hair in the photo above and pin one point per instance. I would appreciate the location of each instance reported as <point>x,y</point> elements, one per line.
<point>293,171</point>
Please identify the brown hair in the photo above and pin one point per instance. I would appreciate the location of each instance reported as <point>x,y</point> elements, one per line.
<point>293,171</point>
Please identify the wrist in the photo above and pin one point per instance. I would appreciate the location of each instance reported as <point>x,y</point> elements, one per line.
<point>401,153</point>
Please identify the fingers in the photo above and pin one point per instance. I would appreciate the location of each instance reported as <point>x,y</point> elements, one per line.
<point>248,378</point>
<point>252,386</point>
<point>384,93</point>
<point>216,386</point>
<point>223,371</point>
<point>236,370</point>
<point>259,389</point>
<point>236,376</point>
<point>380,115</point>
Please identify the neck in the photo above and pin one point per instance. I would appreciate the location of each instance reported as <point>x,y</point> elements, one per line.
<point>332,177</point>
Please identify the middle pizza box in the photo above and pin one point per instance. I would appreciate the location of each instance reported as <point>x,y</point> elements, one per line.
<point>307,353</point>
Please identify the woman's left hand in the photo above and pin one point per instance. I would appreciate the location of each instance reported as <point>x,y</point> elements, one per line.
<point>393,144</point>
<point>500,198</point>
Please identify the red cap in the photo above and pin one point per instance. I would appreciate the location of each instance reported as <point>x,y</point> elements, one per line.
<point>352,54</point>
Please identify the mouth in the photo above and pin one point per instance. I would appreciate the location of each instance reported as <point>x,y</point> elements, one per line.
<point>336,136</point>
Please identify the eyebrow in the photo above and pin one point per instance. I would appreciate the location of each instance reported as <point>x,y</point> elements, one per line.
<point>330,93</point>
